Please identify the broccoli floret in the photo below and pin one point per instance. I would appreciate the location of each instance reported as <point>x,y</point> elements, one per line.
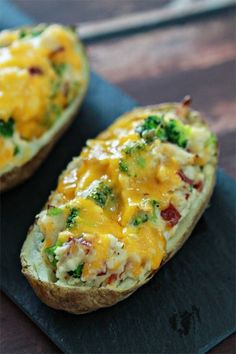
<point>7,127</point>
<point>100,194</point>
<point>154,205</point>
<point>16,150</point>
<point>22,34</point>
<point>77,272</point>
<point>177,133</point>
<point>54,211</point>
<point>152,128</point>
<point>123,166</point>
<point>30,33</point>
<point>71,218</point>
<point>60,68</point>
<point>155,127</point>
<point>141,162</point>
<point>134,148</point>
<point>151,122</point>
<point>140,218</point>
<point>212,140</point>
<point>55,88</point>
<point>50,251</point>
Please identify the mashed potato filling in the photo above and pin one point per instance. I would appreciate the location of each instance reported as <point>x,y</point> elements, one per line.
<point>41,73</point>
<point>118,203</point>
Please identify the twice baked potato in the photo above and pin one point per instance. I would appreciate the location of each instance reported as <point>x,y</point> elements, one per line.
<point>122,208</point>
<point>43,78</point>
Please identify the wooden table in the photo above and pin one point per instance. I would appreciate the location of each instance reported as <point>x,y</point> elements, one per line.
<point>162,64</point>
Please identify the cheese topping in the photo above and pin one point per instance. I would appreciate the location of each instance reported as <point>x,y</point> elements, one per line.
<point>41,73</point>
<point>121,200</point>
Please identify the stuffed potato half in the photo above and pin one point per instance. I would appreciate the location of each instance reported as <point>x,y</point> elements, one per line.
<point>44,76</point>
<point>122,208</point>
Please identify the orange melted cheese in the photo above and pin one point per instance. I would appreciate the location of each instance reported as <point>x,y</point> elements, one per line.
<point>152,181</point>
<point>27,77</point>
<point>7,151</point>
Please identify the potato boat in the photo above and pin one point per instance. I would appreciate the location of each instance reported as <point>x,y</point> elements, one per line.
<point>44,75</point>
<point>122,208</point>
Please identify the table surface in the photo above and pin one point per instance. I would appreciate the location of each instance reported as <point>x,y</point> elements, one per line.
<point>164,64</point>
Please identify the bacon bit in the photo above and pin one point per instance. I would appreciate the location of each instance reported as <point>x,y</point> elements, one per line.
<point>171,215</point>
<point>56,51</point>
<point>187,196</point>
<point>184,177</point>
<point>104,271</point>
<point>187,100</point>
<point>35,70</point>
<point>84,242</point>
<point>111,278</point>
<point>183,109</point>
<point>198,186</point>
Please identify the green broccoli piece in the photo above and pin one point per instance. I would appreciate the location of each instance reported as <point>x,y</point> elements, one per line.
<point>100,194</point>
<point>7,128</point>
<point>152,128</point>
<point>212,140</point>
<point>174,131</point>
<point>140,218</point>
<point>177,133</point>
<point>22,34</point>
<point>134,148</point>
<point>150,123</point>
<point>71,218</point>
<point>141,162</point>
<point>16,150</point>
<point>50,251</point>
<point>31,33</point>
<point>55,88</point>
<point>154,205</point>
<point>60,68</point>
<point>77,272</point>
<point>123,166</point>
<point>161,133</point>
<point>54,211</point>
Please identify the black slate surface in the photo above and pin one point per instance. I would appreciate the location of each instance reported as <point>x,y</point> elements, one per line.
<point>188,307</point>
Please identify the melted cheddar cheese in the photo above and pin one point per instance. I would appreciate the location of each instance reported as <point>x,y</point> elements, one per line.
<point>41,73</point>
<point>120,201</point>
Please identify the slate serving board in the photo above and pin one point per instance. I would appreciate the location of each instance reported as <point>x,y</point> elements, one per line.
<point>188,307</point>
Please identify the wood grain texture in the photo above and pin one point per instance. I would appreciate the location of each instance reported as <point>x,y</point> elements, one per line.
<point>165,65</point>
<point>19,335</point>
<point>75,11</point>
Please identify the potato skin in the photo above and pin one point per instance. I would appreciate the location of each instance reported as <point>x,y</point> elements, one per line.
<point>79,300</point>
<point>17,175</point>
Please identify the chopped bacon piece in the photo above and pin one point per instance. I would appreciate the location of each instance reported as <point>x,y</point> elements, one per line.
<point>111,278</point>
<point>84,242</point>
<point>184,177</point>
<point>187,196</point>
<point>171,215</point>
<point>187,100</point>
<point>35,70</point>
<point>198,186</point>
<point>183,108</point>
